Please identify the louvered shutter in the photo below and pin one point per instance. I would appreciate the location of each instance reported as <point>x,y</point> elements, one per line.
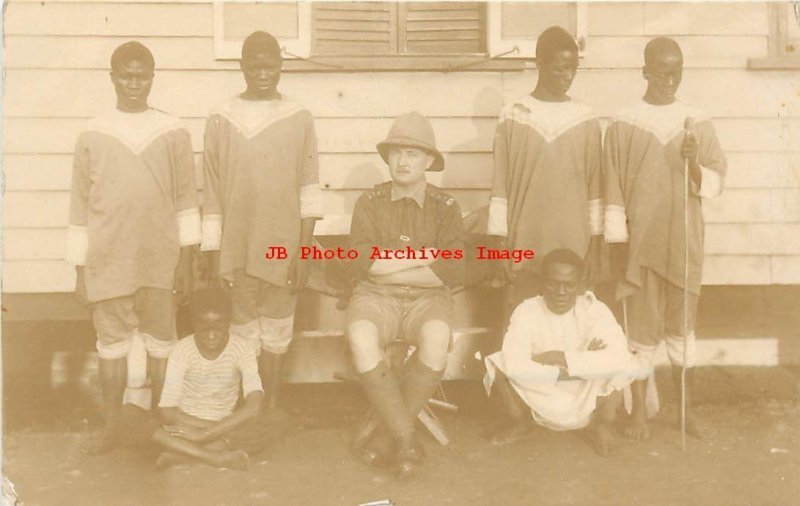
<point>354,28</point>
<point>441,28</point>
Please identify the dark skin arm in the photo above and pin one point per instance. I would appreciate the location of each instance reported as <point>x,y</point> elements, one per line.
<point>184,276</point>
<point>689,151</point>
<point>618,259</point>
<point>593,257</point>
<point>558,359</point>
<point>212,276</point>
<point>298,269</point>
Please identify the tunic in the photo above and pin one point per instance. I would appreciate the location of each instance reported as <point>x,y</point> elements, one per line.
<point>261,178</point>
<point>133,202</point>
<point>546,182</point>
<point>562,404</point>
<point>644,190</point>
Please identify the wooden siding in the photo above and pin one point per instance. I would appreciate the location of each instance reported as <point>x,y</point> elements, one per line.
<point>56,61</point>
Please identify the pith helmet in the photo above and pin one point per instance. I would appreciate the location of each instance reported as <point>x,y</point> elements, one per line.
<point>412,130</point>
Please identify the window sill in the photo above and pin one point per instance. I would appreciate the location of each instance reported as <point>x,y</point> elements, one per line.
<point>394,63</point>
<point>774,63</point>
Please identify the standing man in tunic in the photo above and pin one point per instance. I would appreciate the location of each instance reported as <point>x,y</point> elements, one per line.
<point>547,159</point>
<point>646,151</point>
<point>261,190</point>
<point>133,223</point>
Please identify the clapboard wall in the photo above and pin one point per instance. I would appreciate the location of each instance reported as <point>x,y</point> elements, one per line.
<point>56,57</point>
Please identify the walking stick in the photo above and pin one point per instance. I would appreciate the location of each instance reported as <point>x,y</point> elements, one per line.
<point>687,125</point>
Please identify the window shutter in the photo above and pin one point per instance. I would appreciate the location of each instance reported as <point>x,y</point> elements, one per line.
<point>441,27</point>
<point>354,28</point>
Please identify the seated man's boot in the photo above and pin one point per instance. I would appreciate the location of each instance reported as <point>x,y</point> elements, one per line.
<point>384,394</point>
<point>378,451</point>
<point>419,385</point>
<point>408,456</point>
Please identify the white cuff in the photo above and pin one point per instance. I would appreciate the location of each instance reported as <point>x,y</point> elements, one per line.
<point>497,224</point>
<point>710,184</point>
<point>595,217</point>
<point>188,226</point>
<point>77,244</point>
<point>615,224</point>
<point>310,201</point>
<point>212,232</point>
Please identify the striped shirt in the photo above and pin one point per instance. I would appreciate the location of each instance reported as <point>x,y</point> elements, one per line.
<point>209,389</point>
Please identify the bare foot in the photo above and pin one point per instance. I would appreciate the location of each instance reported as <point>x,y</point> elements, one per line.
<point>100,443</point>
<point>604,439</point>
<point>169,459</point>
<point>236,459</point>
<point>512,433</point>
<point>637,428</point>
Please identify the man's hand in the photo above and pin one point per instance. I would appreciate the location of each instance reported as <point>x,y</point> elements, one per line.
<point>298,273</point>
<point>596,345</point>
<point>298,269</point>
<point>184,276</point>
<point>689,151</point>
<point>592,260</point>
<point>192,434</point>
<point>690,148</point>
<point>618,260</point>
<point>80,285</point>
<point>211,272</point>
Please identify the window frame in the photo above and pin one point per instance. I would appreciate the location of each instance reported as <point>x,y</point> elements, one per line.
<point>778,58</point>
<point>297,52</point>
<point>232,49</point>
<point>526,48</point>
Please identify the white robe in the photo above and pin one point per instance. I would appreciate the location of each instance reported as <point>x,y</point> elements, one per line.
<point>568,403</point>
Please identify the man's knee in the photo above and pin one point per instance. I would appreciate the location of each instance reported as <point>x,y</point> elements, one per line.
<point>113,348</point>
<point>364,340</point>
<point>682,352</point>
<point>434,341</point>
<point>250,332</point>
<point>276,334</point>
<point>643,360</point>
<point>157,348</point>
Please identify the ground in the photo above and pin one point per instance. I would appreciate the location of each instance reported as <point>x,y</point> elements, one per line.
<point>753,457</point>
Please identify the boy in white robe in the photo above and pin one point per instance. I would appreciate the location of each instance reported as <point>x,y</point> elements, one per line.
<point>564,359</point>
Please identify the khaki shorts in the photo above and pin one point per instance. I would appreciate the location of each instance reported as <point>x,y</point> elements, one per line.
<point>149,311</point>
<point>399,312</point>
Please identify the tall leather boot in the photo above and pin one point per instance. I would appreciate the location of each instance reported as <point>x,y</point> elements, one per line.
<point>384,394</point>
<point>419,384</point>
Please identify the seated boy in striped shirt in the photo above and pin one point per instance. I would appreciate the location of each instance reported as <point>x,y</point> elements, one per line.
<point>205,373</point>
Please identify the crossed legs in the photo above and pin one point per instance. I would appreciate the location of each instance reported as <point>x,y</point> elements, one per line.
<point>397,403</point>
